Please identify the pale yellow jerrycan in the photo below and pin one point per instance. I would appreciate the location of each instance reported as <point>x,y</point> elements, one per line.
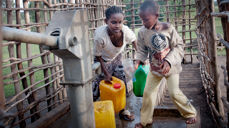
<point>115,92</point>
<point>104,114</point>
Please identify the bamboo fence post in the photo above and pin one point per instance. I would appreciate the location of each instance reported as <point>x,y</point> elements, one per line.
<point>56,59</point>
<point>54,87</point>
<point>45,13</point>
<point>133,15</point>
<point>175,15</point>
<point>76,2</point>
<point>213,56</point>
<point>13,67</point>
<point>167,10</point>
<point>51,12</point>
<point>2,94</point>
<point>65,6</point>
<point>184,27</point>
<point>25,85</point>
<point>190,33</point>
<point>54,2</point>
<point>60,94</point>
<point>52,69</point>
<point>56,69</point>
<point>43,58</point>
<point>63,94</point>
<point>28,53</point>
<point>206,26</point>
<point>103,10</point>
<point>225,26</point>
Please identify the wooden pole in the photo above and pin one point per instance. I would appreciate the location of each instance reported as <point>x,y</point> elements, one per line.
<point>206,26</point>
<point>190,33</point>
<point>225,25</point>
<point>175,15</point>
<point>14,68</point>
<point>20,67</point>
<point>167,10</point>
<point>2,94</point>
<point>132,17</point>
<point>31,76</point>
<point>43,58</point>
<point>213,56</point>
<point>184,28</point>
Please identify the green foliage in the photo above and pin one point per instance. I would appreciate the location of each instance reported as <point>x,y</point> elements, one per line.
<point>3,3</point>
<point>221,52</point>
<point>38,75</point>
<point>162,16</point>
<point>128,13</point>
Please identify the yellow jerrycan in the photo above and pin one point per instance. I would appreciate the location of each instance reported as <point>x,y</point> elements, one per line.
<point>104,114</point>
<point>114,91</point>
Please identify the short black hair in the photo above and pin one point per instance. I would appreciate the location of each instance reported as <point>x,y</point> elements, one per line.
<point>150,4</point>
<point>112,10</point>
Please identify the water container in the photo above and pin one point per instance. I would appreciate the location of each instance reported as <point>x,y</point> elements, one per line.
<point>115,92</point>
<point>140,80</point>
<point>104,114</point>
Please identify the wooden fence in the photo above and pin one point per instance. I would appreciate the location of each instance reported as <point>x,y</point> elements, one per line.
<point>34,74</point>
<point>31,75</point>
<point>180,13</point>
<point>207,45</point>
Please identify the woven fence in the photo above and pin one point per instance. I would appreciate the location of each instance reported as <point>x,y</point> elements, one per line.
<point>180,13</point>
<point>31,76</point>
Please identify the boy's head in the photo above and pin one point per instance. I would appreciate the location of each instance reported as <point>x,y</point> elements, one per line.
<point>114,19</point>
<point>149,11</point>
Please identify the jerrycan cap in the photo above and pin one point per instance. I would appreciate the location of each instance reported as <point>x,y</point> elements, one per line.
<point>117,85</point>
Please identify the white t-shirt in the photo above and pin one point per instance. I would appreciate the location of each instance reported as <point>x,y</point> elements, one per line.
<point>103,46</point>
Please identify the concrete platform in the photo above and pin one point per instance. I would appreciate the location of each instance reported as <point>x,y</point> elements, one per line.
<point>166,115</point>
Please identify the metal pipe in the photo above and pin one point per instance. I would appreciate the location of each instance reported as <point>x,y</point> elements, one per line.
<point>12,34</point>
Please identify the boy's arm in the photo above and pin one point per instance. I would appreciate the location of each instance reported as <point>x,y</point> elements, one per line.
<point>142,52</point>
<point>176,53</point>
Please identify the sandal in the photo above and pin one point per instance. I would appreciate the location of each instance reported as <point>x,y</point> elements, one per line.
<point>126,115</point>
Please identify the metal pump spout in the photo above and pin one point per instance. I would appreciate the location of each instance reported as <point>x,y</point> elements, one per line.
<point>67,37</point>
<point>19,35</point>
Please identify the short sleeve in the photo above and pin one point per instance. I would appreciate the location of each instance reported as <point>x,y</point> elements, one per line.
<point>98,45</point>
<point>129,35</point>
<point>142,52</point>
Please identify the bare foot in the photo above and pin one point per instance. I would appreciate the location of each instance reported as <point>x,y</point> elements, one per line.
<point>138,125</point>
<point>126,115</point>
<point>191,120</point>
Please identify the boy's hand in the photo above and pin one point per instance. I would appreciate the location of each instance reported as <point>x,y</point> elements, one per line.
<point>136,64</point>
<point>165,67</point>
<point>154,68</point>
